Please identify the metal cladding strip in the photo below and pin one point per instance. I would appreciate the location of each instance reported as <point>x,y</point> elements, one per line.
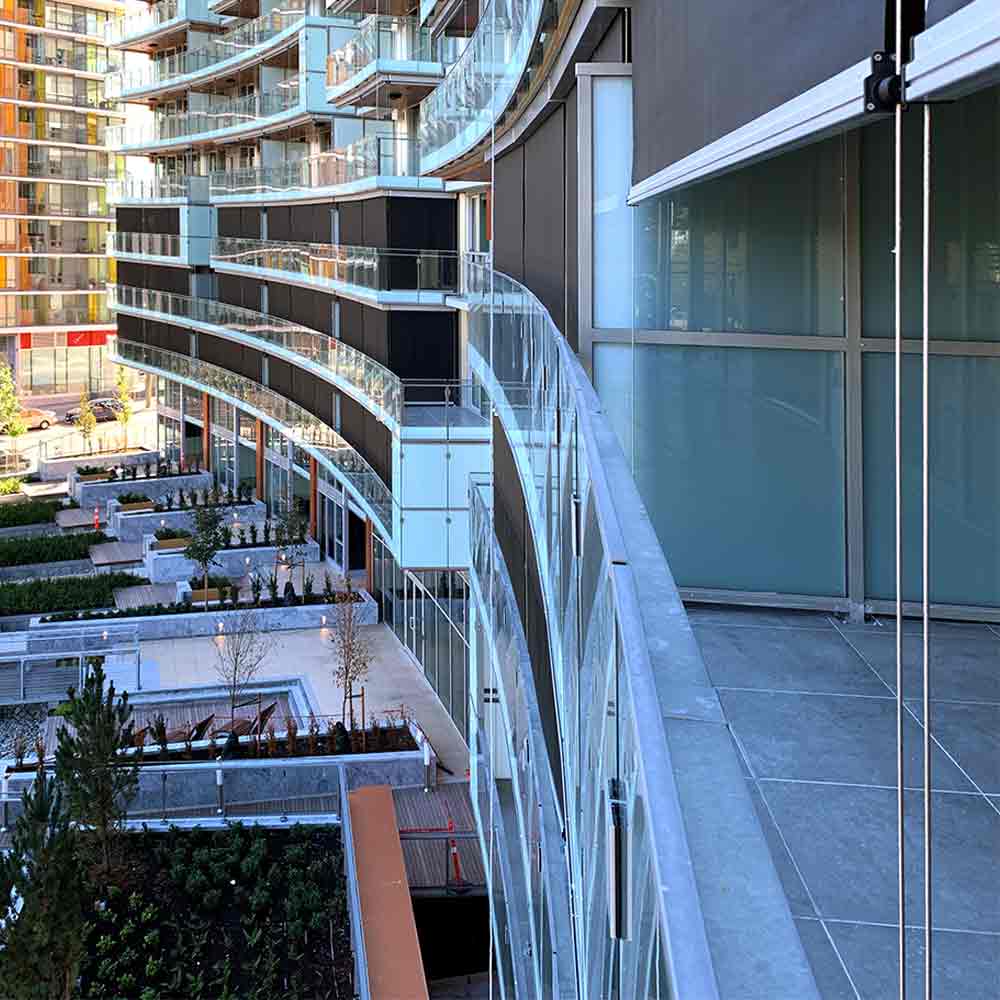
<point>318,452</point>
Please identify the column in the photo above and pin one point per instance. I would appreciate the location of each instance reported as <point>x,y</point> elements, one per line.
<point>259,440</point>
<point>206,430</point>
<point>313,497</point>
<point>369,556</point>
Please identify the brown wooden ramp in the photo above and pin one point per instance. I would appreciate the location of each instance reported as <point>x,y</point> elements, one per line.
<point>395,968</point>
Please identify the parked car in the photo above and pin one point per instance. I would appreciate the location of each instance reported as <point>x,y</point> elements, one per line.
<point>38,420</point>
<point>104,409</point>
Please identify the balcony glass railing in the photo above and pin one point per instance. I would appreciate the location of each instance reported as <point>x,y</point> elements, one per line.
<point>231,44</point>
<point>147,189</point>
<point>461,111</point>
<point>65,169</point>
<point>144,244</point>
<point>370,378</point>
<point>373,156</point>
<point>54,310</point>
<point>121,28</point>
<point>246,111</point>
<point>334,265</point>
<point>615,626</point>
<point>87,58</point>
<point>42,95</point>
<point>81,135</point>
<point>399,39</point>
<point>60,17</point>
<point>304,428</point>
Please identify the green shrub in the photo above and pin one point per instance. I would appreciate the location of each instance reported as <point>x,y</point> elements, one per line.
<point>48,548</point>
<point>215,582</point>
<point>10,486</point>
<point>71,593</point>
<point>91,470</point>
<point>13,515</point>
<point>133,498</point>
<point>161,533</point>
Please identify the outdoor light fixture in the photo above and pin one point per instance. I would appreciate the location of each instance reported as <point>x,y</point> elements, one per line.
<point>163,522</point>
<point>322,619</point>
<point>220,626</point>
<point>247,560</point>
<point>104,635</point>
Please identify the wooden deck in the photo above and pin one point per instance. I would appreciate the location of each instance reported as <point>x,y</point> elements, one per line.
<point>443,864</point>
<point>149,593</point>
<point>420,811</point>
<point>116,554</point>
<point>78,518</point>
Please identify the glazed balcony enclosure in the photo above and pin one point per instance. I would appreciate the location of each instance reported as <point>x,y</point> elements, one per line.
<point>162,25</point>
<point>389,57</point>
<point>380,277</point>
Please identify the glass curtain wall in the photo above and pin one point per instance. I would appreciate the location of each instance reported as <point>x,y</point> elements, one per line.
<point>736,403</point>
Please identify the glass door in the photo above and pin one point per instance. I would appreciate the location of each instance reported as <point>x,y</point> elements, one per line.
<point>414,617</point>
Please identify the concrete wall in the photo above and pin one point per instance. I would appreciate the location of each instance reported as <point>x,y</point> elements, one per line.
<point>98,494</point>
<point>132,527</point>
<point>60,468</point>
<point>43,571</point>
<point>170,566</point>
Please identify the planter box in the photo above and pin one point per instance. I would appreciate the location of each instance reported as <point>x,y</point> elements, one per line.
<point>91,477</point>
<point>65,467</point>
<point>137,506</point>
<point>171,566</point>
<point>133,527</point>
<point>48,570</point>
<point>200,596</point>
<point>92,495</point>
<point>200,623</point>
<point>166,544</point>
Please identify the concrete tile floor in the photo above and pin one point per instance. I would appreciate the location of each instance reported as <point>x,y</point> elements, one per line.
<point>394,679</point>
<point>811,706</point>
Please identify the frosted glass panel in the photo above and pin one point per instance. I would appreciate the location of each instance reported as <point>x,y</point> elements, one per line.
<point>964,473</point>
<point>612,154</point>
<point>739,456</point>
<point>757,251</point>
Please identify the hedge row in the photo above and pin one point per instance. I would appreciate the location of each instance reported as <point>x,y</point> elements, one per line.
<point>13,515</point>
<point>48,548</point>
<point>71,593</point>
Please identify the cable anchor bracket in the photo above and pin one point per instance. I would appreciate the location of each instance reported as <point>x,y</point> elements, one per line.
<point>884,86</point>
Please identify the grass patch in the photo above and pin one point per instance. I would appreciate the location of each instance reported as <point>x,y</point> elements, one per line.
<point>15,515</point>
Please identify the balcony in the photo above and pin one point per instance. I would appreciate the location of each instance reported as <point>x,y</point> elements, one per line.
<point>147,190</point>
<point>162,25</point>
<point>373,162</point>
<point>91,210</point>
<point>89,309</point>
<point>390,62</point>
<point>224,53</point>
<point>220,119</point>
<point>92,136</point>
<point>305,429</point>
<point>59,17</point>
<point>407,278</point>
<point>450,17</point>
<point>80,99</point>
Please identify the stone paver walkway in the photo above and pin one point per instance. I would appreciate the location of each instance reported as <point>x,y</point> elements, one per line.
<point>116,553</point>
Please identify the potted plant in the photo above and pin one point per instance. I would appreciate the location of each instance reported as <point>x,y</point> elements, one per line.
<point>91,474</point>
<point>171,538</point>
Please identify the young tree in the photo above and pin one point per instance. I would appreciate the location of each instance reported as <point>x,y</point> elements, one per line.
<point>123,393</point>
<point>241,652</point>
<point>97,781</point>
<point>211,534</point>
<point>12,424</point>
<point>41,900</point>
<point>352,651</point>
<point>292,529</point>
<point>86,422</point>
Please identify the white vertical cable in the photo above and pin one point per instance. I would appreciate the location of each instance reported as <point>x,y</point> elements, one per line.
<point>925,525</point>
<point>898,275</point>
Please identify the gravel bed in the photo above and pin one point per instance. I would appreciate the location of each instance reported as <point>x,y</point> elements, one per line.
<point>28,720</point>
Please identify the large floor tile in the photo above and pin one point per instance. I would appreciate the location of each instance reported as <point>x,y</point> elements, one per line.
<point>727,614</point>
<point>963,668</point>
<point>791,659</point>
<point>964,966</point>
<point>816,737</point>
<point>828,970</point>
<point>843,840</point>
<point>971,734</point>
<point>798,898</point>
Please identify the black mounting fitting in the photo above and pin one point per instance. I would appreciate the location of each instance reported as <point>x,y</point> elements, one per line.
<point>884,87</point>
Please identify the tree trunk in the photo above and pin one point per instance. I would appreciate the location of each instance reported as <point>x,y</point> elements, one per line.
<point>206,588</point>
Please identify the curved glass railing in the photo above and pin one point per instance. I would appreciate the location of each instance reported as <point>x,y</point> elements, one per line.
<point>612,615</point>
<point>146,189</point>
<point>333,265</point>
<point>371,380</point>
<point>243,111</point>
<point>238,41</point>
<point>372,156</point>
<point>477,88</point>
<point>144,244</point>
<point>305,429</point>
<point>119,29</point>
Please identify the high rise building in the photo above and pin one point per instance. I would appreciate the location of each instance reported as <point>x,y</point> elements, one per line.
<point>553,315</point>
<point>54,214</point>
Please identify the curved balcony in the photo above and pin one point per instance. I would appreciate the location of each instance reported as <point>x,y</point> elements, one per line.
<point>461,111</point>
<point>626,687</point>
<point>403,278</point>
<point>395,53</point>
<point>303,428</point>
<point>166,188</point>
<point>162,23</point>
<point>361,377</point>
<point>122,244</point>
<point>374,162</point>
<point>224,119</point>
<point>224,53</point>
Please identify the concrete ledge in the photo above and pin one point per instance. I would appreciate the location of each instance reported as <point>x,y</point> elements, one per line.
<point>134,526</point>
<point>29,530</point>
<point>172,566</point>
<point>64,468</point>
<point>91,495</point>
<point>48,570</point>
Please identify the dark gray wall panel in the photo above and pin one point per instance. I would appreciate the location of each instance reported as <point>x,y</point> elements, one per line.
<point>165,279</point>
<point>228,221</point>
<point>702,69</point>
<point>311,223</point>
<point>423,224</point>
<point>128,220</point>
<point>544,215</point>
<point>131,328</point>
<point>938,10</point>
<point>423,345</point>
<point>611,48</point>
<point>508,213</point>
<point>352,224</point>
<point>376,232</point>
<point>571,330</point>
<point>278,223</point>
